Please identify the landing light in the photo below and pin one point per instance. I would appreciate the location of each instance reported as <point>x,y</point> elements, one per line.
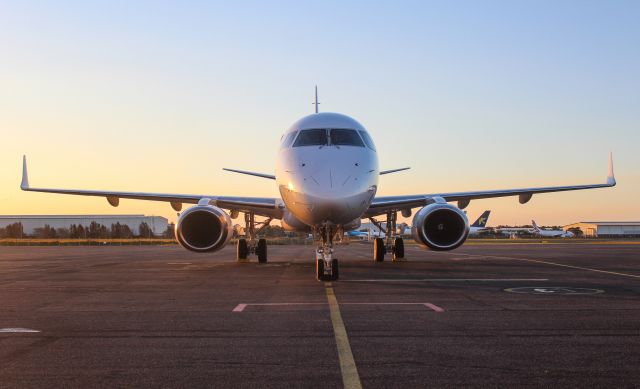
<point>290,186</point>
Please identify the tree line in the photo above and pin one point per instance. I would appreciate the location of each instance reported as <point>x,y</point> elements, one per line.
<point>94,230</point>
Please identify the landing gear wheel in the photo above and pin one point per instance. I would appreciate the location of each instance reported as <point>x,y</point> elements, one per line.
<point>398,249</point>
<point>320,269</point>
<point>261,251</point>
<point>335,270</point>
<point>242,249</point>
<point>378,250</point>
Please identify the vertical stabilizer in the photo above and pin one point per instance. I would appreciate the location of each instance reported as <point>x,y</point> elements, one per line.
<point>535,226</point>
<point>482,220</point>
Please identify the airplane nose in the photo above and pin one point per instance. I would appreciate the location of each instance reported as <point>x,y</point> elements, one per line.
<point>334,193</point>
<point>329,184</point>
<point>331,181</point>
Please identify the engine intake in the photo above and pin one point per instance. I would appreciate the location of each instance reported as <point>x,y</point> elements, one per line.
<point>440,227</point>
<point>204,228</point>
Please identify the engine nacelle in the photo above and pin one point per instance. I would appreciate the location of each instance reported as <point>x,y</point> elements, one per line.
<point>204,228</point>
<point>440,227</point>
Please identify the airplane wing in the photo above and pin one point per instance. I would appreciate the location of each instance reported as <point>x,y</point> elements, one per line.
<point>261,206</point>
<point>381,205</point>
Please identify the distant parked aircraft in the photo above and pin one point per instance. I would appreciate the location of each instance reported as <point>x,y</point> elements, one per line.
<point>550,233</point>
<point>480,224</point>
<point>535,230</point>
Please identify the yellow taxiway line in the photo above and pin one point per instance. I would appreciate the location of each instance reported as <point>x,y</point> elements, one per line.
<point>350,376</point>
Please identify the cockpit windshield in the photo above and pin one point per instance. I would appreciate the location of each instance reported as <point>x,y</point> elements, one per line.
<point>344,137</point>
<point>315,137</point>
<point>324,137</point>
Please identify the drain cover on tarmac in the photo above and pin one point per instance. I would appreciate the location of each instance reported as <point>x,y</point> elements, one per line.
<point>554,290</point>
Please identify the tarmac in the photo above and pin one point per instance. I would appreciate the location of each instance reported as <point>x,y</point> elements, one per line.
<point>490,315</point>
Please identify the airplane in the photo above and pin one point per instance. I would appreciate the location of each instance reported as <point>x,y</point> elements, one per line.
<point>378,231</point>
<point>327,173</point>
<point>550,233</point>
<point>480,224</point>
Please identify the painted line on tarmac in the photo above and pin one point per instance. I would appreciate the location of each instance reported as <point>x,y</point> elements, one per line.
<point>350,376</point>
<point>434,307</point>
<point>449,280</point>
<point>241,307</point>
<point>550,263</point>
<point>17,330</point>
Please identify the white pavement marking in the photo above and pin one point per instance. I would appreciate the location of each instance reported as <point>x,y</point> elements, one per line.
<point>448,280</point>
<point>550,263</point>
<point>20,330</point>
<point>241,307</point>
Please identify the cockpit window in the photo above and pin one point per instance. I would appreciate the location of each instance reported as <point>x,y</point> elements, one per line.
<point>288,139</point>
<point>368,140</point>
<point>315,137</point>
<point>344,137</point>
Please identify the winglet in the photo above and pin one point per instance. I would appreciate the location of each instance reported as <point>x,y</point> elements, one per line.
<point>24,185</point>
<point>611,178</point>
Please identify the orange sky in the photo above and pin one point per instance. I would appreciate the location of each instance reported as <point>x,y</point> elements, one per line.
<point>485,99</point>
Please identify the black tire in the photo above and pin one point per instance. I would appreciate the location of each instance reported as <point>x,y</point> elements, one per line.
<point>335,270</point>
<point>378,250</point>
<point>261,250</point>
<point>398,248</point>
<point>320,269</point>
<point>242,250</point>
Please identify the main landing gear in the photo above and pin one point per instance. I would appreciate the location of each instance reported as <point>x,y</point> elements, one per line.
<point>249,245</point>
<point>327,267</point>
<point>391,243</point>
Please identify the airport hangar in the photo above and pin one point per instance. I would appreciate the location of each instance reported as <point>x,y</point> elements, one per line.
<point>158,224</point>
<point>607,229</point>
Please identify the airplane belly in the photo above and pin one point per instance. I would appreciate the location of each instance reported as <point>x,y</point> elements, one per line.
<point>316,210</point>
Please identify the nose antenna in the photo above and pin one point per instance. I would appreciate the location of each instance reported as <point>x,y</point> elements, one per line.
<point>316,103</point>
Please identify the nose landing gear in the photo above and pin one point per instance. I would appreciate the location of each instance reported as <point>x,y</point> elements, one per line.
<point>327,267</point>
<point>248,246</point>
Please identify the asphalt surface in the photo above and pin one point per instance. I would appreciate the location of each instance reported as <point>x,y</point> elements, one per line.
<point>164,317</point>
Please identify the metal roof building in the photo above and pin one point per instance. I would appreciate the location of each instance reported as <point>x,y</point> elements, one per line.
<point>158,224</point>
<point>607,229</point>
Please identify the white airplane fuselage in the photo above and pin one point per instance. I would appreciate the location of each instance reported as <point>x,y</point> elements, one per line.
<point>328,184</point>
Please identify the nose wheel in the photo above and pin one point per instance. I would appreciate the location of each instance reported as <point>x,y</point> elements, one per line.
<point>327,267</point>
<point>333,273</point>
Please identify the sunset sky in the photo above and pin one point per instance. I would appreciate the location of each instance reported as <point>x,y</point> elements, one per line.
<point>159,96</point>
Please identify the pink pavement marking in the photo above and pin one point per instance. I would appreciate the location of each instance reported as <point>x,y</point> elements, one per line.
<point>434,307</point>
<point>241,307</point>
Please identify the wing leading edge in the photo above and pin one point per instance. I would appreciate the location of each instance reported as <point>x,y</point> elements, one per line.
<point>261,206</point>
<point>385,204</point>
